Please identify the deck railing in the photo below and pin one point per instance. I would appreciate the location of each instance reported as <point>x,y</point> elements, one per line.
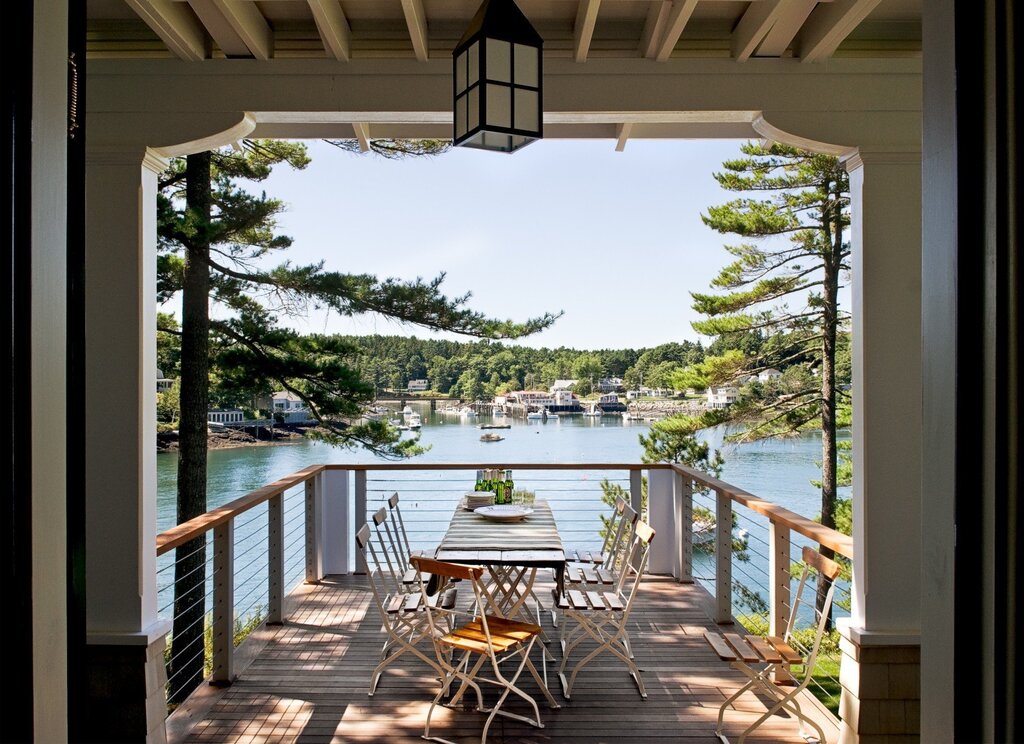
<point>301,528</point>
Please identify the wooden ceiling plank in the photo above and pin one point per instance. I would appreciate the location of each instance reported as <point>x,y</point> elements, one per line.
<point>362,130</point>
<point>654,27</point>
<point>586,19</point>
<point>622,134</point>
<point>176,26</point>
<point>416,20</point>
<point>678,17</point>
<point>248,22</point>
<point>791,18</point>
<point>829,24</point>
<point>333,27</point>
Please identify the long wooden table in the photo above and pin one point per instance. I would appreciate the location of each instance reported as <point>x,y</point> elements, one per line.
<point>512,552</point>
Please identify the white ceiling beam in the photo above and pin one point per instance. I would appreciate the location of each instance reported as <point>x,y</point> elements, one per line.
<point>654,27</point>
<point>586,19</point>
<point>416,20</point>
<point>622,134</point>
<point>678,17</point>
<point>176,26</point>
<point>362,130</point>
<point>333,27</point>
<point>755,23</point>
<point>248,22</point>
<point>829,24</point>
<point>791,18</point>
<point>217,26</point>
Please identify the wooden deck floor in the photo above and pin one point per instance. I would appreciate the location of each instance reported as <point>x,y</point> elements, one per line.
<point>309,684</point>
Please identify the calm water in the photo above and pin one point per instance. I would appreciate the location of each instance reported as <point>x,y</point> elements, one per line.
<point>779,471</point>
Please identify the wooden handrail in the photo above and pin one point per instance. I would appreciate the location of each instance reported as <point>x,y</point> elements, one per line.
<point>199,526</point>
<point>183,533</point>
<point>842,544</point>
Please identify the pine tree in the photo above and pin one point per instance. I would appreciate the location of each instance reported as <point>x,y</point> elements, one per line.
<point>217,247</point>
<point>783,286</point>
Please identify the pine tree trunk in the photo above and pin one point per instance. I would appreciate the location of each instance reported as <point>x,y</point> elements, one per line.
<point>187,645</point>
<point>829,459</point>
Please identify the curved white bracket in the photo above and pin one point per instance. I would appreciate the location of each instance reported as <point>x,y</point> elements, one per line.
<point>774,134</point>
<point>229,136</point>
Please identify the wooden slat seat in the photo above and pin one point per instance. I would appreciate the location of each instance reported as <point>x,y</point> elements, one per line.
<point>411,602</point>
<point>505,634</point>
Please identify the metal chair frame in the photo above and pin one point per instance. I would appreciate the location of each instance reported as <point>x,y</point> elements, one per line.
<point>502,640</point>
<point>402,613</point>
<point>603,616</point>
<point>776,655</point>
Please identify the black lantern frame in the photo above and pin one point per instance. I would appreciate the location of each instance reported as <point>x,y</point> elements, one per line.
<point>497,80</point>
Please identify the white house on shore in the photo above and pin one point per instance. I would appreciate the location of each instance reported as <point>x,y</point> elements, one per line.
<point>225,415</point>
<point>563,385</point>
<point>163,384</point>
<point>767,375</point>
<point>609,384</point>
<point>417,386</point>
<point>721,397</point>
<point>286,401</point>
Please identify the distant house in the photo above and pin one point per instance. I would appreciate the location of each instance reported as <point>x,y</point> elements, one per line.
<point>563,385</point>
<point>418,386</point>
<point>609,385</point>
<point>766,375</point>
<point>648,392</point>
<point>225,415</point>
<point>285,401</point>
<point>721,397</point>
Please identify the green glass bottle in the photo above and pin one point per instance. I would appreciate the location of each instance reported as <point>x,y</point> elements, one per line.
<point>509,486</point>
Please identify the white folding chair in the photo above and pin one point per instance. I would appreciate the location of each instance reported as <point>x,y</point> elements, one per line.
<point>483,636</point>
<point>586,568</point>
<point>766,658</point>
<point>402,613</point>
<point>603,616</point>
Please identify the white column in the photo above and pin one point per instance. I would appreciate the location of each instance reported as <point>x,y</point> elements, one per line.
<point>661,514</point>
<point>338,532</point>
<point>120,404</point>
<point>886,261</point>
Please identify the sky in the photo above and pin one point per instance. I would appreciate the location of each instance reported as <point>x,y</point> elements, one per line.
<point>613,239</point>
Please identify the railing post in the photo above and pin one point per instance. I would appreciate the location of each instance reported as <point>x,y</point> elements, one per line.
<point>778,570</point>
<point>723,557</point>
<point>275,560</point>
<point>684,527</point>
<point>313,572</point>
<point>636,491</point>
<point>223,604</point>
<point>360,515</point>
<point>661,514</point>
<point>338,535</point>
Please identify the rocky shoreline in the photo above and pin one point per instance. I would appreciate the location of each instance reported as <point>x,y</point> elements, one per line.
<point>167,441</point>
<point>666,407</point>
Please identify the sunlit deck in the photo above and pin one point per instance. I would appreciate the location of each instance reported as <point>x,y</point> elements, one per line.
<point>309,683</point>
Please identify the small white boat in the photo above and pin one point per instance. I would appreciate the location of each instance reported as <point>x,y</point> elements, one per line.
<point>534,415</point>
<point>407,411</point>
<point>468,412</point>
<point>414,421</point>
<point>499,412</point>
<point>550,415</point>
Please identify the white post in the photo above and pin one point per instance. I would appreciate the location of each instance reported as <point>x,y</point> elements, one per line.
<point>723,557</point>
<point>122,624</point>
<point>275,560</point>
<point>223,604</point>
<point>360,515</point>
<point>662,517</point>
<point>337,538</point>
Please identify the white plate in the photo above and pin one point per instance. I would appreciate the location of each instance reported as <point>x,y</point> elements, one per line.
<point>504,512</point>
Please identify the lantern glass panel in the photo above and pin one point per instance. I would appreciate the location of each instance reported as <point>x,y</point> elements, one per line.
<point>460,116</point>
<point>526,65</point>
<point>526,110</point>
<point>499,60</point>
<point>499,106</point>
<point>473,100</point>
<point>460,73</point>
<point>473,73</point>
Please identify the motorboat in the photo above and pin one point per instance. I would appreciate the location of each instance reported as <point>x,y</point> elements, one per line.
<point>414,421</point>
<point>468,412</point>
<point>534,415</point>
<point>491,437</point>
<point>407,411</point>
<point>550,415</point>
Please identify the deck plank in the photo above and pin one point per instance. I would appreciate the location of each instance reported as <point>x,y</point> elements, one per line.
<point>309,683</point>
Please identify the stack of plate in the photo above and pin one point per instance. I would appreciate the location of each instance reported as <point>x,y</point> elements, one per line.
<point>477,499</point>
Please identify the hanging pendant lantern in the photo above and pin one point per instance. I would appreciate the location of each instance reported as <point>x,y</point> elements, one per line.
<point>497,80</point>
